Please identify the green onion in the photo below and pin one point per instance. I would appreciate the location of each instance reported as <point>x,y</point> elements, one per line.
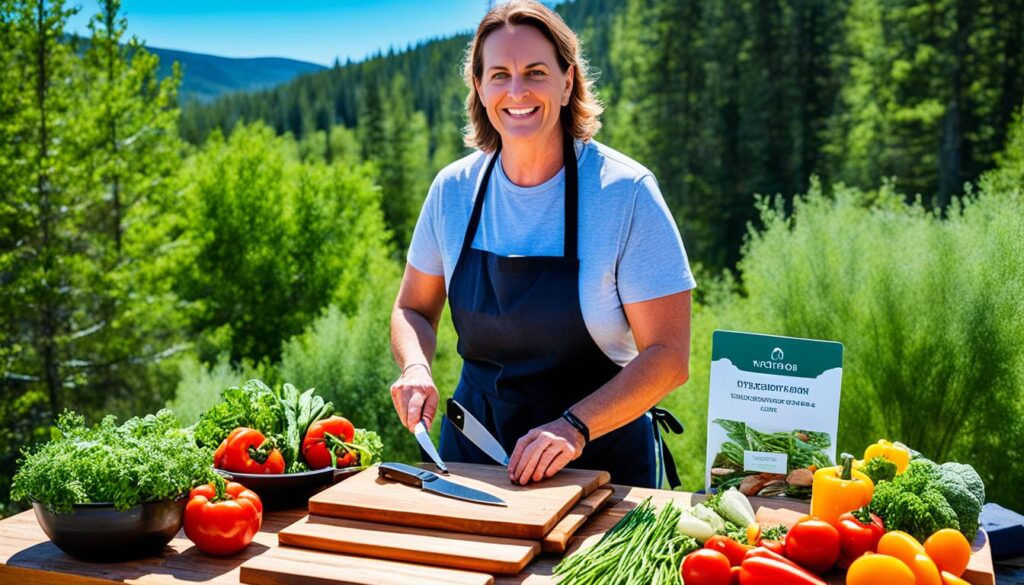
<point>643,547</point>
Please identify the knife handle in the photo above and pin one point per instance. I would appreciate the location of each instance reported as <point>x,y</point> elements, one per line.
<point>455,414</point>
<point>406,474</point>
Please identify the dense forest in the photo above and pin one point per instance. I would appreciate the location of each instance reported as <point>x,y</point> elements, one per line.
<point>153,254</point>
<point>721,101</point>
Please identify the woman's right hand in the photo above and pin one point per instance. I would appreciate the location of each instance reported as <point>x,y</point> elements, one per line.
<point>415,396</point>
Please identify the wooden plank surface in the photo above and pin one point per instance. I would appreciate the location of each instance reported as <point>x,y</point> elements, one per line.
<point>292,566</point>
<point>488,554</point>
<point>557,540</point>
<point>531,513</point>
<point>28,558</point>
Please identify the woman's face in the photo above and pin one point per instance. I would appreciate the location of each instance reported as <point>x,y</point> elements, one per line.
<point>522,87</point>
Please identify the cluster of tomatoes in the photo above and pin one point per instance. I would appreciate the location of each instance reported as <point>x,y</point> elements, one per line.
<point>813,547</point>
<point>222,518</point>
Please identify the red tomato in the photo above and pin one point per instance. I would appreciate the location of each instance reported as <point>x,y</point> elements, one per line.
<point>324,443</point>
<point>248,451</point>
<point>732,550</point>
<point>224,523</point>
<point>706,567</point>
<point>813,544</point>
<point>776,546</point>
<point>857,537</point>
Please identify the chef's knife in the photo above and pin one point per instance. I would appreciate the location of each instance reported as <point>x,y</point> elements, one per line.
<point>423,438</point>
<point>476,432</point>
<point>431,482</point>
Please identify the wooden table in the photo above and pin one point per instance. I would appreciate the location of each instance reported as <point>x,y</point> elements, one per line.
<point>27,557</point>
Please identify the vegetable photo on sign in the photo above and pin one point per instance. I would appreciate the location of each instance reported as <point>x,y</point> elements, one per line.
<point>801,453</point>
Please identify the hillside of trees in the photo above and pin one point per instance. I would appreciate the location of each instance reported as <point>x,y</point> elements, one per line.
<point>153,255</point>
<point>721,101</point>
<point>206,77</point>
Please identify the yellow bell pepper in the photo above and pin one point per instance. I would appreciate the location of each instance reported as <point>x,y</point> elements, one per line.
<point>894,452</point>
<point>838,490</point>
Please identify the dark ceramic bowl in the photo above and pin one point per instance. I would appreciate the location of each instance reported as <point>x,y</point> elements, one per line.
<point>100,533</point>
<point>288,490</point>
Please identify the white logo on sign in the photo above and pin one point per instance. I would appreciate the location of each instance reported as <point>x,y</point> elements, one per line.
<point>776,363</point>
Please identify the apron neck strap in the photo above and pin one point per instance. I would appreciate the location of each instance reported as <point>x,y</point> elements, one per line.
<point>571,200</point>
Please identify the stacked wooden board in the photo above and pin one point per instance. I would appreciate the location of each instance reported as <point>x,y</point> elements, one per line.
<point>404,528</point>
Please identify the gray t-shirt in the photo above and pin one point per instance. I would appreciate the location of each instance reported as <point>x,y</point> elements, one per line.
<point>629,246</point>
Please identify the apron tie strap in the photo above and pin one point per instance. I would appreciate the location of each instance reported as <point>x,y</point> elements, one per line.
<point>665,421</point>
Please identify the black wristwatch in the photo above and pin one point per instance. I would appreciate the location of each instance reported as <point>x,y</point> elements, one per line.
<point>578,425</point>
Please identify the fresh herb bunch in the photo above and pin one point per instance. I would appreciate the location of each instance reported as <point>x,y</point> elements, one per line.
<point>145,459</point>
<point>643,547</point>
<point>254,405</point>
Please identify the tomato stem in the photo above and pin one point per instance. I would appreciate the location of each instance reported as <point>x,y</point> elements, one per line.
<point>221,488</point>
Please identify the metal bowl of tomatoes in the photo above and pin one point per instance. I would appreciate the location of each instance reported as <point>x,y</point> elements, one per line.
<point>288,490</point>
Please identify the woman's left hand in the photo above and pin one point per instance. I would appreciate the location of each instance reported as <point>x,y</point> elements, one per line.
<point>544,451</point>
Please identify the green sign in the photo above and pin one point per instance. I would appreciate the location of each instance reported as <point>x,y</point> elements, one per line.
<point>773,406</point>
<point>772,354</point>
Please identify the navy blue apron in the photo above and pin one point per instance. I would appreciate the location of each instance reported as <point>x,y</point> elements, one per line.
<point>527,352</point>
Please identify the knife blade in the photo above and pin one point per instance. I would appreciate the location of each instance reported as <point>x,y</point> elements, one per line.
<point>475,432</point>
<point>423,438</point>
<point>431,482</point>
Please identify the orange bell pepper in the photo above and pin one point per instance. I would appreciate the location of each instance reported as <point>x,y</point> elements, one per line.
<point>894,452</point>
<point>950,551</point>
<point>838,490</point>
<point>872,569</point>
<point>951,579</point>
<point>911,553</point>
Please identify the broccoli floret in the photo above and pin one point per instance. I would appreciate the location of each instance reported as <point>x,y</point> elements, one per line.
<point>942,513</point>
<point>967,507</point>
<point>922,466</point>
<point>879,469</point>
<point>913,502</point>
<point>917,514</point>
<point>919,475</point>
<point>970,477</point>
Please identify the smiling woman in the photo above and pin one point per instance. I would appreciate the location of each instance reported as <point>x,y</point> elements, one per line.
<point>567,279</point>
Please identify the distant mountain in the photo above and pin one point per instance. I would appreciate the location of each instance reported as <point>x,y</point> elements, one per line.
<point>207,77</point>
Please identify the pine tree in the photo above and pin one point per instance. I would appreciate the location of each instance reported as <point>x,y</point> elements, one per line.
<point>125,131</point>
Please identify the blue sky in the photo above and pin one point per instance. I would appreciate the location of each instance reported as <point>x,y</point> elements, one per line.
<point>313,30</point>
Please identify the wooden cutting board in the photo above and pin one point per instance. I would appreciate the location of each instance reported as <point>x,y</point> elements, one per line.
<point>557,540</point>
<point>488,554</point>
<point>531,513</point>
<point>296,566</point>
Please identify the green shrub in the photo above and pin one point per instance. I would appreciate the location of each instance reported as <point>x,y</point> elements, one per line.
<point>348,360</point>
<point>200,386</point>
<point>267,242</point>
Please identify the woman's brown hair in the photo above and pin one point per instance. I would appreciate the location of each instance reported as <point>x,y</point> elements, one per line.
<point>579,117</point>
